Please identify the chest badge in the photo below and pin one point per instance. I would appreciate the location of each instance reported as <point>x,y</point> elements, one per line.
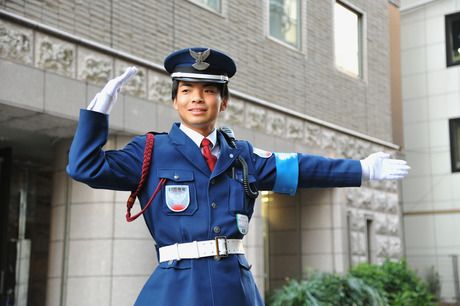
<point>242,221</point>
<point>177,197</point>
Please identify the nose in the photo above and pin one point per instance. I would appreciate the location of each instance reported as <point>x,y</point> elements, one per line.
<point>197,97</point>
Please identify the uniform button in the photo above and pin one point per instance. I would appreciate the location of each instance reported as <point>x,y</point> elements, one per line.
<point>216,229</point>
<point>176,177</point>
<point>213,205</point>
<point>230,155</point>
<point>213,181</point>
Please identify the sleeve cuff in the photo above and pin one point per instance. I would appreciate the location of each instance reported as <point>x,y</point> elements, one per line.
<point>365,170</point>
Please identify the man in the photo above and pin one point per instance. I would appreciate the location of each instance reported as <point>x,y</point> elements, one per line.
<point>205,182</point>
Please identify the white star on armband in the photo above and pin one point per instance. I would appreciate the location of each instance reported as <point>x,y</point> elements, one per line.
<point>287,173</point>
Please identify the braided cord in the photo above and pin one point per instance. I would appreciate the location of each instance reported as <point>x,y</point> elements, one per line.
<point>150,140</point>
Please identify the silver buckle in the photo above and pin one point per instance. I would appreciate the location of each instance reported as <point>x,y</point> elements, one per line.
<point>218,255</point>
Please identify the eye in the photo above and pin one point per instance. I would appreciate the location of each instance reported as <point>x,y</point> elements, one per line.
<point>210,90</point>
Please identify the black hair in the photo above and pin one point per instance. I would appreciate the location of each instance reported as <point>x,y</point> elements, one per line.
<point>223,89</point>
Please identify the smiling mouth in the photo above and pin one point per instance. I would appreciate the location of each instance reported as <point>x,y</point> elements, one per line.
<point>197,110</point>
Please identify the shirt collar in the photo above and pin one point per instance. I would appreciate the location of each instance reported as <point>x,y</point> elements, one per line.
<point>197,137</point>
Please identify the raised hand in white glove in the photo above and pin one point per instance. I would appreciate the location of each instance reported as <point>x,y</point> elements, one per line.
<point>106,98</point>
<point>379,166</point>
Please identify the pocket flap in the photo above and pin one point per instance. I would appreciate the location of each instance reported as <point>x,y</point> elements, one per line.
<point>239,177</point>
<point>244,262</point>
<point>176,175</point>
<point>176,264</point>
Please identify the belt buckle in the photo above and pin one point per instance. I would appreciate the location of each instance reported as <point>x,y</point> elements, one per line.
<point>218,255</point>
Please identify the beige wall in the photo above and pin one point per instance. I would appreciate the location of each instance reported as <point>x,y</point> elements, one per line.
<point>395,69</point>
<point>431,95</point>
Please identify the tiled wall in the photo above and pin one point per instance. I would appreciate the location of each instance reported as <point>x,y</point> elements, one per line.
<point>266,69</point>
<point>431,94</point>
<point>107,259</point>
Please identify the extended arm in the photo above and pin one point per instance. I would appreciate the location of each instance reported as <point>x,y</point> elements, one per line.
<point>285,172</point>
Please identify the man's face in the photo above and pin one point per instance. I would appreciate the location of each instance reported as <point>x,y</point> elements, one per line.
<point>198,105</point>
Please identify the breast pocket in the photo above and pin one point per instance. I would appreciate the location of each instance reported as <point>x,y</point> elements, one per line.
<point>238,201</point>
<point>179,193</point>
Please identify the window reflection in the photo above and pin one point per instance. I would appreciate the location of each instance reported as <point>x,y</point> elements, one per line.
<point>347,29</point>
<point>211,4</point>
<point>284,21</point>
<point>454,126</point>
<point>453,39</point>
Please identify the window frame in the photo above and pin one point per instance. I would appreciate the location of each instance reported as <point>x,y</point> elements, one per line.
<point>448,19</point>
<point>204,6</point>
<point>349,238</point>
<point>454,146</point>
<point>362,44</point>
<point>299,36</point>
<point>370,239</point>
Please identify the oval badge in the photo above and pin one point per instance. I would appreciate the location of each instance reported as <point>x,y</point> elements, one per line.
<point>177,197</point>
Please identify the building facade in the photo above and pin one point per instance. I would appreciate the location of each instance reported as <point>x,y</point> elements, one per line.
<point>431,98</point>
<point>317,77</point>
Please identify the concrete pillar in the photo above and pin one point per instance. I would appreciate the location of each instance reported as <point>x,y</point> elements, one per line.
<point>96,257</point>
<point>254,246</point>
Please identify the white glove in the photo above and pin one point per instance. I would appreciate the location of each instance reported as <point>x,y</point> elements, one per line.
<point>106,98</point>
<point>379,166</point>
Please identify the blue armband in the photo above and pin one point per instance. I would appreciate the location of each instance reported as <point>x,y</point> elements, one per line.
<point>287,173</point>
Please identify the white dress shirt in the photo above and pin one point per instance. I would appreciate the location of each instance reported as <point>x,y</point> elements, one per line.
<point>197,138</point>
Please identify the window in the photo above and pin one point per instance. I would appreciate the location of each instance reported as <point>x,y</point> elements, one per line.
<point>349,237</point>
<point>348,39</point>
<point>213,5</point>
<point>369,240</point>
<point>285,21</point>
<point>454,127</point>
<point>453,39</point>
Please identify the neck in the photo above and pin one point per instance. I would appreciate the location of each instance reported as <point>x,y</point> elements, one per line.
<point>203,130</point>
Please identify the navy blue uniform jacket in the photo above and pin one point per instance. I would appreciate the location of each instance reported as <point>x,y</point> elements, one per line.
<point>177,158</point>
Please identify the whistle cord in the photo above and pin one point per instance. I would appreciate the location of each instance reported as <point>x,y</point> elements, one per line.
<point>130,218</point>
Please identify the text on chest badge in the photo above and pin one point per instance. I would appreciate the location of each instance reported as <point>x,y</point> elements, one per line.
<point>177,197</point>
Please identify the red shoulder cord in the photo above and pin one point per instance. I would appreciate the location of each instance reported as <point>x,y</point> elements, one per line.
<point>145,171</point>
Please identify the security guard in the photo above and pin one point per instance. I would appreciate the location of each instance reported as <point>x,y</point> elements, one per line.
<point>205,181</point>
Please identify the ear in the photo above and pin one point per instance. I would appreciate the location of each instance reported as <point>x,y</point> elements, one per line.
<point>175,103</point>
<point>223,105</point>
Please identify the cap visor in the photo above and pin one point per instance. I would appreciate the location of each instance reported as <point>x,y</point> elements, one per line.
<point>196,80</point>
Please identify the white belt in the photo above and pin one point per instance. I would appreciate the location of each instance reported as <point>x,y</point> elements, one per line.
<point>219,247</point>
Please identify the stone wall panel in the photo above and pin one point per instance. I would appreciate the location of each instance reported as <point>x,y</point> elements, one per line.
<point>94,67</point>
<point>55,55</point>
<point>16,42</point>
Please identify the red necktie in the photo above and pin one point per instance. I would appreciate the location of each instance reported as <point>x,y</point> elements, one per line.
<point>210,159</point>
